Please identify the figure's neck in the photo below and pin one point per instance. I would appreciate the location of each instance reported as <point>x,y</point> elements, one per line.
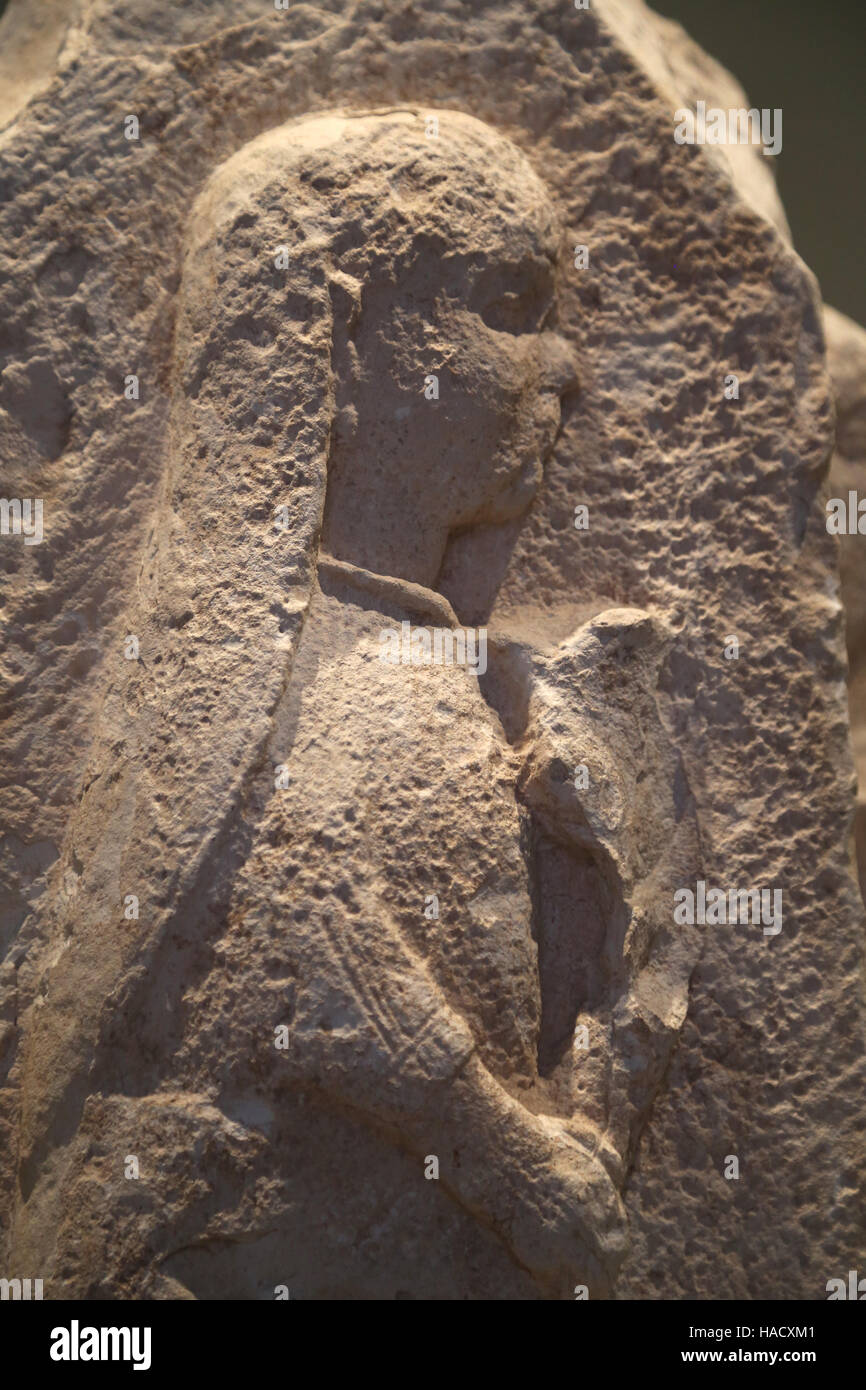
<point>383,535</point>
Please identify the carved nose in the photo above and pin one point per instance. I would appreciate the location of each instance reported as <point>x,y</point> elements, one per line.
<point>559,364</point>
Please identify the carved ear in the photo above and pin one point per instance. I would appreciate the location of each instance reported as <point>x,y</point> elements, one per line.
<point>346,300</point>
<point>345,292</point>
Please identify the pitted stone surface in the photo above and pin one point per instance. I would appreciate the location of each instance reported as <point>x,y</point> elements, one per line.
<point>282,802</point>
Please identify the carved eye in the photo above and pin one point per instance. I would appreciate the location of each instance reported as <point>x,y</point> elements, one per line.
<point>522,303</point>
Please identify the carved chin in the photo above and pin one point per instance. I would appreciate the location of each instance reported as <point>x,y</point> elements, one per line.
<point>521,488</point>
<point>516,496</point>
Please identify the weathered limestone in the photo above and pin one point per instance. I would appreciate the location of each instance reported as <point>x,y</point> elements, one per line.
<point>372,967</point>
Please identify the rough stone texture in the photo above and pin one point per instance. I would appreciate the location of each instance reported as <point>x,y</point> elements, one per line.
<point>303,904</point>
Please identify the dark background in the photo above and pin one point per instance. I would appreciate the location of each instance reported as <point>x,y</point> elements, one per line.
<point>809,58</point>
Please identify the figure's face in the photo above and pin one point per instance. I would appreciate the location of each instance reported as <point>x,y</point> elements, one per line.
<point>451,381</point>
<point>478,450</point>
<point>505,377</point>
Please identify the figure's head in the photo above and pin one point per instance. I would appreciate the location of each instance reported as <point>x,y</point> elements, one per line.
<point>435,246</point>
<point>451,241</point>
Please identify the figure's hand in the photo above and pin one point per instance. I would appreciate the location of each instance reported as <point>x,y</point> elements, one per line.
<point>571,1228</point>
